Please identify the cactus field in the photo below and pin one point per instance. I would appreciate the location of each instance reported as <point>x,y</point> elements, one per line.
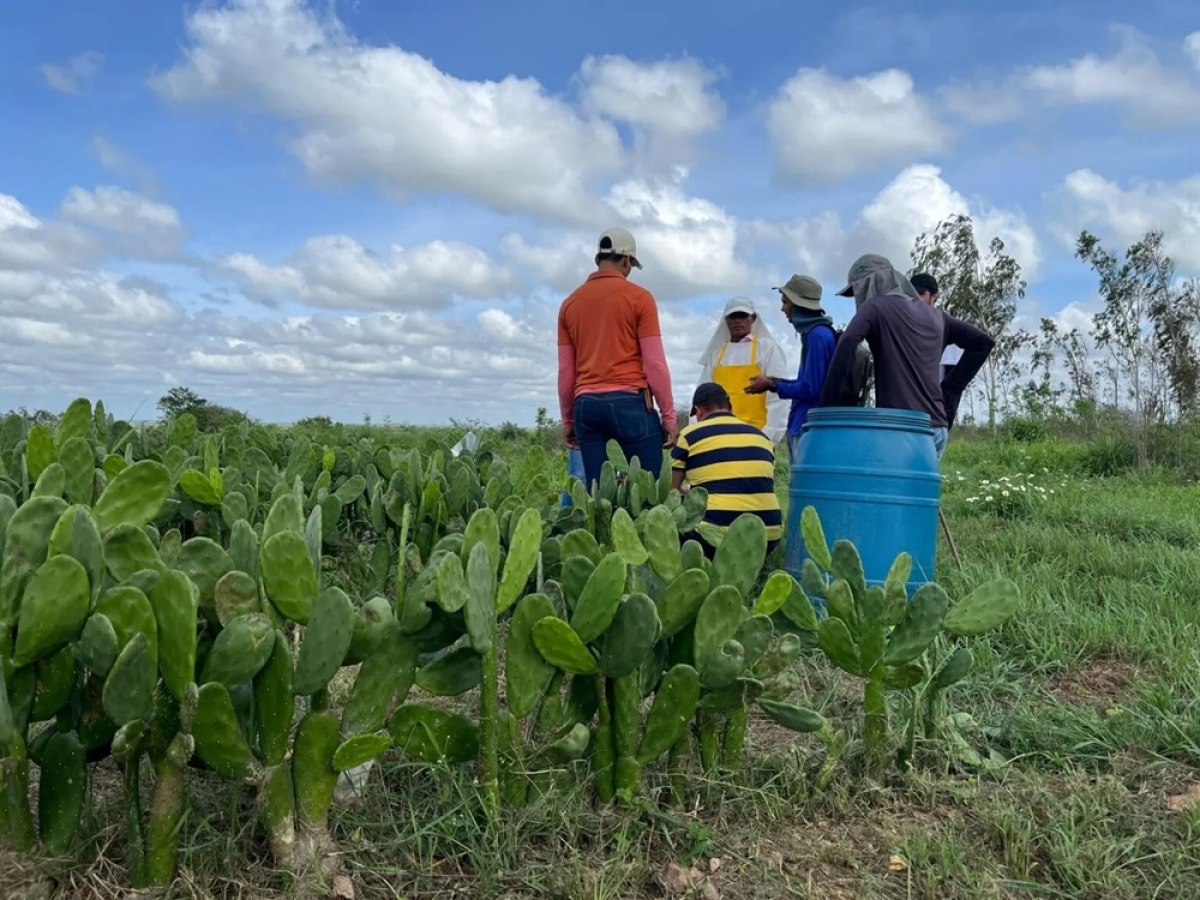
<point>324,660</point>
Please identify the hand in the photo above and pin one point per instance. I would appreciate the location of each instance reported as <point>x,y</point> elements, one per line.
<point>950,403</point>
<point>760,384</point>
<point>568,431</point>
<point>671,434</point>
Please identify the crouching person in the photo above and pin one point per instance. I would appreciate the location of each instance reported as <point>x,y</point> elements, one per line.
<point>732,460</point>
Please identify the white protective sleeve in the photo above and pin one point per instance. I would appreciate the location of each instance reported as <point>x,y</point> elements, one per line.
<point>775,365</point>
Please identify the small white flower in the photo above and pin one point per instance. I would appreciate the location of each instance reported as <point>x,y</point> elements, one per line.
<point>1004,494</point>
<point>988,498</point>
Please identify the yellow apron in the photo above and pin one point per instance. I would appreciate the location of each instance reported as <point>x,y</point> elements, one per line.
<point>750,408</point>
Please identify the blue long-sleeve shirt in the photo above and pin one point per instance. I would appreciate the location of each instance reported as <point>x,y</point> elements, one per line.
<point>805,390</point>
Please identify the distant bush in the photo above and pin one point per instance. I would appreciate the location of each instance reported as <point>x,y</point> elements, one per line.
<point>1025,430</point>
<point>210,417</point>
<point>1109,455</point>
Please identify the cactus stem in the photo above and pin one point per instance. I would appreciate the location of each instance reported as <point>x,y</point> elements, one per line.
<point>514,779</point>
<point>875,723</point>
<point>676,766</point>
<point>931,700</point>
<point>489,715</point>
<point>320,700</point>
<point>5,824</point>
<point>549,712</point>
<point>20,817</point>
<point>167,804</point>
<point>602,758</point>
<point>278,813</point>
<point>706,740</point>
<point>133,820</point>
<point>833,742</point>
<point>734,739</point>
<point>627,697</point>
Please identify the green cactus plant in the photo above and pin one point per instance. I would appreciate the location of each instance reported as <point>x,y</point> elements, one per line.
<point>870,632</point>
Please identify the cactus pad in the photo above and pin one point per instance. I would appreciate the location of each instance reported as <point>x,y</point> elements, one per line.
<point>287,570</point>
<point>561,646</point>
<point>433,735</point>
<point>53,610</point>
<point>988,606</point>
<point>601,596</point>
<point>527,674</point>
<point>361,749</point>
<point>240,650</point>
<point>326,640</point>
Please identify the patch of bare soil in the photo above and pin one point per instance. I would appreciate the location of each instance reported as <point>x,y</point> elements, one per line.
<point>1101,682</point>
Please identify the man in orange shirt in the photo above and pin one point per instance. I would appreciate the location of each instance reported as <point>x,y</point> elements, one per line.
<point>611,362</point>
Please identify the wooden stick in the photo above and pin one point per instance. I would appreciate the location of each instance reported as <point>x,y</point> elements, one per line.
<point>949,538</point>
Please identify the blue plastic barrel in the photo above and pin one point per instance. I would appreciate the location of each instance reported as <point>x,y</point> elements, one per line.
<point>873,477</point>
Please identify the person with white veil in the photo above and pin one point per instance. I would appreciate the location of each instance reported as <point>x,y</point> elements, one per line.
<point>740,350</point>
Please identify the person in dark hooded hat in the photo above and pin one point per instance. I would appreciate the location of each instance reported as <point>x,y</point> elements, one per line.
<point>906,337</point>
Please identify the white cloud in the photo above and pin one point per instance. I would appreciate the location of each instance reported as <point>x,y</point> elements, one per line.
<point>915,201</point>
<point>391,116</point>
<point>826,128</point>
<point>337,272</point>
<point>30,244</point>
<point>1191,45</point>
<point>1122,215</point>
<point>691,244</point>
<point>135,225</point>
<point>688,246</point>
<point>669,103</point>
<point>92,225</point>
<point>1150,93</point>
<point>1134,77</point>
<point>71,77</point>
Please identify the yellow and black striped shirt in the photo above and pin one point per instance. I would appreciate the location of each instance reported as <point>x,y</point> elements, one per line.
<point>735,463</point>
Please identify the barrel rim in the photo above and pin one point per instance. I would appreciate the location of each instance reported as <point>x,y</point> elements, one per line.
<point>867,414</point>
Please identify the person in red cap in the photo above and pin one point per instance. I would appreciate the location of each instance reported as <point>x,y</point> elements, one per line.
<point>611,365</point>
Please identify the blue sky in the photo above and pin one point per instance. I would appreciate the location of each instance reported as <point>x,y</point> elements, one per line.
<point>359,208</point>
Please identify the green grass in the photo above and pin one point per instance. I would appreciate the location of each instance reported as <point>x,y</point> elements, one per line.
<point>1087,703</point>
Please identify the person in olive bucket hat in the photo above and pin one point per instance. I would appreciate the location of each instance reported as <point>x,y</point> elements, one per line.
<point>801,306</point>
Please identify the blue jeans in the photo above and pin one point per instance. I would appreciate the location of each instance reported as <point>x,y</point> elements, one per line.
<point>574,469</point>
<point>793,446</point>
<point>620,416</point>
<point>941,437</point>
